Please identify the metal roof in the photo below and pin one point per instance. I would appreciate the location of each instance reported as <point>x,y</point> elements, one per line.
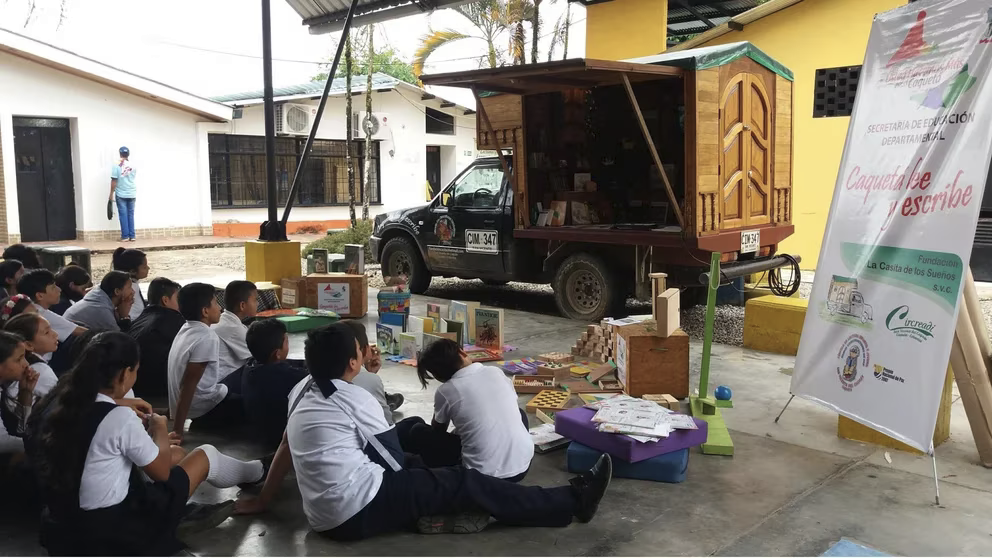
<point>327,16</point>
<point>689,17</point>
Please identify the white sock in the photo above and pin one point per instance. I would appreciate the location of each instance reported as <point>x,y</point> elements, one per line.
<point>226,471</point>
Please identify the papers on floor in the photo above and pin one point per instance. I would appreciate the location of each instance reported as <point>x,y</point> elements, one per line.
<point>546,439</point>
<point>643,420</point>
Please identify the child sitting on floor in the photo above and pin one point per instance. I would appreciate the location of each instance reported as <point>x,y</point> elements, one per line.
<point>39,285</point>
<point>108,307</point>
<point>155,330</point>
<point>15,306</point>
<point>346,461</point>
<point>39,339</point>
<point>196,389</point>
<point>368,377</point>
<point>87,449</point>
<point>134,263</point>
<point>17,377</point>
<point>241,300</point>
<point>492,435</point>
<point>74,282</point>
<point>267,380</point>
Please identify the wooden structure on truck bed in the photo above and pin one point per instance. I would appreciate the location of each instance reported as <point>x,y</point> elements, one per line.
<point>703,136</point>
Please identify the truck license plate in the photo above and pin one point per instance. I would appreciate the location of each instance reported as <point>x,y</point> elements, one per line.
<point>483,241</point>
<point>750,241</point>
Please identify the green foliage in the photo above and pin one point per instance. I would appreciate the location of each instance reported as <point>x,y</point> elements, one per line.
<point>384,61</point>
<point>334,242</point>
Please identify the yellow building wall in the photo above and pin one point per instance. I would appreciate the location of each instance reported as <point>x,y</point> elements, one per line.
<point>804,37</point>
<point>626,29</point>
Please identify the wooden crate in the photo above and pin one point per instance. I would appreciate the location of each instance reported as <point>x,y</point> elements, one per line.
<point>323,288</point>
<point>649,363</point>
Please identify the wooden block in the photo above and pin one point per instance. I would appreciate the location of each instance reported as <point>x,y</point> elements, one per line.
<point>611,385</point>
<point>665,400</point>
<point>585,336</point>
<point>591,329</point>
<point>600,371</point>
<point>549,400</point>
<point>547,417</point>
<point>576,351</point>
<point>533,384</point>
<point>557,371</point>
<point>648,363</point>
<point>580,385</point>
<point>667,312</point>
<point>556,358</point>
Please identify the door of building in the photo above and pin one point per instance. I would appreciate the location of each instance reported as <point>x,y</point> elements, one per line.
<point>745,157</point>
<point>45,195</point>
<point>433,171</point>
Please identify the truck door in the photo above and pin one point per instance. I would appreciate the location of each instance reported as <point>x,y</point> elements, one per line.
<point>474,204</point>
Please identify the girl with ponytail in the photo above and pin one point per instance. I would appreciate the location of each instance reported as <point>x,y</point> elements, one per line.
<point>88,448</point>
<point>14,372</point>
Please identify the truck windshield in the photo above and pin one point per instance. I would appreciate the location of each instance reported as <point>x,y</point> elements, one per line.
<point>479,187</point>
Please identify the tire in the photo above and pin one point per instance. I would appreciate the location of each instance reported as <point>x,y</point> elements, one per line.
<point>494,282</point>
<point>401,257</point>
<point>585,289</point>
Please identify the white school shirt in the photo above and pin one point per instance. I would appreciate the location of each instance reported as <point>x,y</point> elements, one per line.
<point>336,478</point>
<point>63,327</point>
<point>481,403</point>
<point>119,442</point>
<point>46,383</point>
<point>196,342</point>
<point>372,383</point>
<point>139,303</point>
<point>233,353</point>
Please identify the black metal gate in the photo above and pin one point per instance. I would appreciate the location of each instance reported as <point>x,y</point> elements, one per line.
<point>45,195</point>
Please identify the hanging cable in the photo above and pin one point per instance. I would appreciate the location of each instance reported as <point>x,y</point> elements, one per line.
<point>775,278</point>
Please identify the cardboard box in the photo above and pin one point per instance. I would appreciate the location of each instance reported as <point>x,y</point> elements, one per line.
<point>649,363</point>
<point>348,295</point>
<point>666,312</point>
<point>294,292</point>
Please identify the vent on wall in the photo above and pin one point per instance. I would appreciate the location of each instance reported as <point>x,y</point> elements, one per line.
<point>834,91</point>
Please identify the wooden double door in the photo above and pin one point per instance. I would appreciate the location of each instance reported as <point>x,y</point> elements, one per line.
<point>45,195</point>
<point>746,130</point>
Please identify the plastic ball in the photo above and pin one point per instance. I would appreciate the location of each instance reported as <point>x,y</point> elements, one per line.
<point>723,393</point>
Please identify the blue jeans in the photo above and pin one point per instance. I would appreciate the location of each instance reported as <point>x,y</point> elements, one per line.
<point>125,210</point>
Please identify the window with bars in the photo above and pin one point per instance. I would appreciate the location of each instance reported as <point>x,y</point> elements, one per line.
<point>834,91</point>
<point>237,171</point>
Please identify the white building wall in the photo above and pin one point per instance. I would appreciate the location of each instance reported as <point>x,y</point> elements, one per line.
<point>403,163</point>
<point>163,142</point>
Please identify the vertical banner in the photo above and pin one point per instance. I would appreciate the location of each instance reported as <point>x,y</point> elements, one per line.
<point>881,317</point>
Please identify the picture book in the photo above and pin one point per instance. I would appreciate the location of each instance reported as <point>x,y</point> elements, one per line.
<point>414,324</point>
<point>580,213</point>
<point>456,327</point>
<point>430,325</point>
<point>354,259</point>
<point>489,328</point>
<point>434,337</point>
<point>437,311</point>
<point>387,338</point>
<point>558,209</point>
<point>319,260</point>
<point>393,318</point>
<point>408,345</point>
<point>546,439</point>
<point>458,311</point>
<point>469,321</point>
<point>482,355</point>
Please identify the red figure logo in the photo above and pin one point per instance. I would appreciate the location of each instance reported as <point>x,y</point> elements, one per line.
<point>913,45</point>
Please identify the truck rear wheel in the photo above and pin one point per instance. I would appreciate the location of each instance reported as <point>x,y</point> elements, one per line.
<point>586,289</point>
<point>401,257</point>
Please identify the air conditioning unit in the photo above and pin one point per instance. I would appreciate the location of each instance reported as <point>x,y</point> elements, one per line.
<point>378,122</point>
<point>292,119</point>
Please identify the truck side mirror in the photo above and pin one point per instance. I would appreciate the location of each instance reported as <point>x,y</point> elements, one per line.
<point>445,199</point>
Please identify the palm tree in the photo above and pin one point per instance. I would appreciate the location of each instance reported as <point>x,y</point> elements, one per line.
<point>559,36</point>
<point>490,18</point>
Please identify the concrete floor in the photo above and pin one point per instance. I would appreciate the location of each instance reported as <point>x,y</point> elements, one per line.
<point>793,488</point>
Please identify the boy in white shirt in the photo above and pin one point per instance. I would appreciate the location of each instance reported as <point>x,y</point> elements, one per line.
<point>491,430</point>
<point>347,465</point>
<point>39,285</point>
<point>196,389</point>
<point>241,300</point>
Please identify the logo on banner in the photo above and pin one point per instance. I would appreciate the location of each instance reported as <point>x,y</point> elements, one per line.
<point>853,355</point>
<point>846,304</point>
<point>902,324</point>
<point>884,374</point>
<point>913,45</point>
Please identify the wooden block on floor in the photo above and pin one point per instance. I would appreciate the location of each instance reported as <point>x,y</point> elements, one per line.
<point>774,324</point>
<point>718,440</point>
<point>853,430</point>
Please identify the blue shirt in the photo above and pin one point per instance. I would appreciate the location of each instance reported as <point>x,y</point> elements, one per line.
<point>125,172</point>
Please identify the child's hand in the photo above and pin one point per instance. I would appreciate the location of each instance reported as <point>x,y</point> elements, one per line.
<point>375,360</point>
<point>140,407</point>
<point>175,439</point>
<point>28,381</point>
<point>249,505</point>
<point>157,423</point>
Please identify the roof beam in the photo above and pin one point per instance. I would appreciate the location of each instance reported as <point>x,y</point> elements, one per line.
<point>427,97</point>
<point>697,13</point>
<point>447,104</point>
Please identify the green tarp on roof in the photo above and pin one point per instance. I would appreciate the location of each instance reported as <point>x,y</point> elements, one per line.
<point>711,56</point>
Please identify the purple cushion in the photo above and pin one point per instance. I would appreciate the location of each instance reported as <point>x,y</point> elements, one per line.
<point>576,425</point>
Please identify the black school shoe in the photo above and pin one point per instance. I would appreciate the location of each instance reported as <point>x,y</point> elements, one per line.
<point>201,517</point>
<point>394,400</point>
<point>591,486</point>
<point>266,465</point>
<point>459,524</point>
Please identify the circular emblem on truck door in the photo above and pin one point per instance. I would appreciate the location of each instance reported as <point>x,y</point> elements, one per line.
<point>445,230</point>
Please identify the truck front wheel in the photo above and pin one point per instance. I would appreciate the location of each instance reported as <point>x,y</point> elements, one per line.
<point>400,257</point>
<point>585,289</point>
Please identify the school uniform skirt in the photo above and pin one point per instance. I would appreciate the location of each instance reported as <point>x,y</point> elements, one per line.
<point>144,524</point>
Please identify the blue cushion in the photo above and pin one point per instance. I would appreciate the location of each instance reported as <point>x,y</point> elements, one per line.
<point>667,467</point>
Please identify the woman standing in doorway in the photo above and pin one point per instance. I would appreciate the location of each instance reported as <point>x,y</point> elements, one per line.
<point>122,177</point>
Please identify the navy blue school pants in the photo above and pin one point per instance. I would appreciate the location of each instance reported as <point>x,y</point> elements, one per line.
<point>409,494</point>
